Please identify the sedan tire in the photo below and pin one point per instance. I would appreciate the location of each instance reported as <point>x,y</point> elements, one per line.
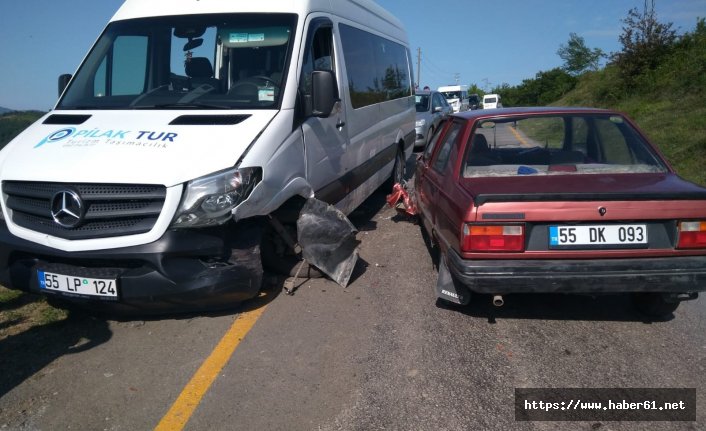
<point>654,305</point>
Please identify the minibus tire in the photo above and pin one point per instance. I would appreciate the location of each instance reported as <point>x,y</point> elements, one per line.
<point>397,174</point>
<point>286,265</point>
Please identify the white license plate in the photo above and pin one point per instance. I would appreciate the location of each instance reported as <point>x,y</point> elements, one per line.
<point>598,235</point>
<point>103,287</point>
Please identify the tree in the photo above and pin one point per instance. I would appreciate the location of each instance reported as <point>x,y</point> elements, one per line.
<point>546,87</point>
<point>645,42</point>
<point>577,57</point>
<point>475,89</point>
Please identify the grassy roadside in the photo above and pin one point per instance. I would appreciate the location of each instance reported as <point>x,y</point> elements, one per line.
<point>21,311</point>
<point>13,123</point>
<point>678,127</point>
<point>674,120</point>
<point>668,102</point>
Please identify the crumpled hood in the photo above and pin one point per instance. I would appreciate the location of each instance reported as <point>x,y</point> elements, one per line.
<point>139,147</point>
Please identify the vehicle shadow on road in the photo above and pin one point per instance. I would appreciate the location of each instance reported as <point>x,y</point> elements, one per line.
<point>24,355</point>
<point>549,306</point>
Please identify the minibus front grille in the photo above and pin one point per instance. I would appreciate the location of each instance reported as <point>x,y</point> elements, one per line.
<point>84,211</point>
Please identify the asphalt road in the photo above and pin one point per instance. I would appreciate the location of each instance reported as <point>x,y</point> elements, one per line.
<point>377,355</point>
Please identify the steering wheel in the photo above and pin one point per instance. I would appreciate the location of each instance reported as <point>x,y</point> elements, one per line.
<point>267,79</point>
<point>239,86</point>
<point>249,81</point>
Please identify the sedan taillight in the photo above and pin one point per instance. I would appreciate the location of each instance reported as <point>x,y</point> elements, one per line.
<point>489,238</point>
<point>692,234</point>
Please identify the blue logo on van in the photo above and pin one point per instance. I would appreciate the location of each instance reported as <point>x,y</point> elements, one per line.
<point>57,136</point>
<point>71,137</point>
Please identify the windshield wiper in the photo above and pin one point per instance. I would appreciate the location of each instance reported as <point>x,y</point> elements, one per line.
<point>152,91</point>
<point>87,108</point>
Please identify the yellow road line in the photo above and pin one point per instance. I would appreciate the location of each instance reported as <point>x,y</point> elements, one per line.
<point>519,137</point>
<point>190,397</point>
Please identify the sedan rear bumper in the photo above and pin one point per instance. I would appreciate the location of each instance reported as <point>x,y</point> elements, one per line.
<point>668,274</point>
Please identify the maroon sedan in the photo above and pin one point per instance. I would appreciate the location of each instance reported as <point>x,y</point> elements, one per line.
<point>564,200</point>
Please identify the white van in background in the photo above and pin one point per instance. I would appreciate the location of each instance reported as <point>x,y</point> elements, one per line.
<point>190,136</point>
<point>456,95</point>
<point>492,101</point>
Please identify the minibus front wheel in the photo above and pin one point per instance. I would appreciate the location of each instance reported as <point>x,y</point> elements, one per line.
<point>397,170</point>
<point>280,253</point>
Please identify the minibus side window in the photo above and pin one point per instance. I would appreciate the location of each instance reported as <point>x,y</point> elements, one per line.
<point>378,69</point>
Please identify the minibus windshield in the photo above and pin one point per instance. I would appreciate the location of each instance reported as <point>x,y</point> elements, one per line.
<point>224,61</point>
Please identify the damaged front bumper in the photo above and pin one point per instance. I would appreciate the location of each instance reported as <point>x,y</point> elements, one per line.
<point>662,274</point>
<point>328,240</point>
<point>185,270</point>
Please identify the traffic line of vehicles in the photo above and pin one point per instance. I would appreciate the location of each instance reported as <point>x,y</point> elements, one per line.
<point>460,100</point>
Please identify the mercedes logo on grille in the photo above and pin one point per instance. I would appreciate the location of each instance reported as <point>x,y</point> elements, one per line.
<point>67,208</point>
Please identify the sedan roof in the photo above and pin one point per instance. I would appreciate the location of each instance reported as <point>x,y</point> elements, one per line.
<point>501,112</point>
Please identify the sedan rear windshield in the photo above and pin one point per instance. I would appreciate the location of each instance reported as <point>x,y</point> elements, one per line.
<point>558,145</point>
<point>216,61</point>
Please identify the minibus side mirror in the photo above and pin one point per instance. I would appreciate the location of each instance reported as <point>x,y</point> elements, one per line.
<point>63,82</point>
<point>323,93</point>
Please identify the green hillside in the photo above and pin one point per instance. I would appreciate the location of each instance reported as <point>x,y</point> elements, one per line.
<point>12,123</point>
<point>658,79</point>
<point>667,102</point>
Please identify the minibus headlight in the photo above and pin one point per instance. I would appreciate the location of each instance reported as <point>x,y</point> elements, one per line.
<point>208,200</point>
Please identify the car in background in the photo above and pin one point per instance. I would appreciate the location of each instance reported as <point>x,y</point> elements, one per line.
<point>431,107</point>
<point>492,101</point>
<point>559,200</point>
<point>474,102</point>
<point>456,95</point>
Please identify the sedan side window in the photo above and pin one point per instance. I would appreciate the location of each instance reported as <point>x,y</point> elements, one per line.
<point>444,155</point>
<point>434,139</point>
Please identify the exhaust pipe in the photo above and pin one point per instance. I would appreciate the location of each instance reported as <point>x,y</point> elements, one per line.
<point>498,301</point>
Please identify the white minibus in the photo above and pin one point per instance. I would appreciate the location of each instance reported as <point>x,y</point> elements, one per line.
<point>178,156</point>
<point>492,101</point>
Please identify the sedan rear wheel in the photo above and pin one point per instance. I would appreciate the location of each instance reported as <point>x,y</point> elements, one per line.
<point>654,305</point>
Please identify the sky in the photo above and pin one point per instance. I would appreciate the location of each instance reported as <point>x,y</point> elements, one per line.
<point>483,42</point>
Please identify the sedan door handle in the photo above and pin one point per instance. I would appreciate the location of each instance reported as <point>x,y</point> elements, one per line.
<point>340,124</point>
